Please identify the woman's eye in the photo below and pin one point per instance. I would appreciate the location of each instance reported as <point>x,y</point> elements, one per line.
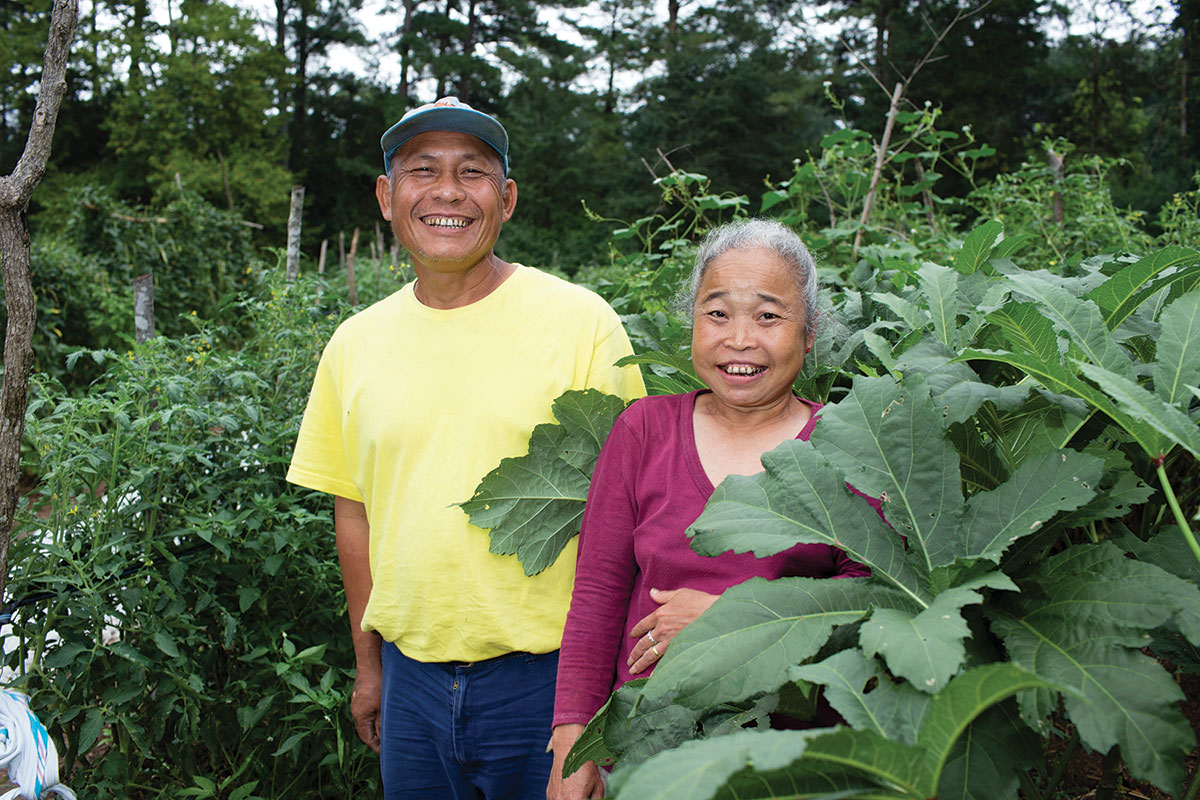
<point>768,315</point>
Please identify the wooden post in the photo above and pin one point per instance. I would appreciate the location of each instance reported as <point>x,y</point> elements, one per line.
<point>1057,166</point>
<point>15,190</point>
<point>341,250</point>
<point>352,289</point>
<point>143,308</point>
<point>293,230</point>
<point>321,266</point>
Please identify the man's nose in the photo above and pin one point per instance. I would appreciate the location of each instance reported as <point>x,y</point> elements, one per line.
<point>448,187</point>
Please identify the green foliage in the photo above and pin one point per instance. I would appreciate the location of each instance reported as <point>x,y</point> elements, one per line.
<point>549,482</point>
<point>183,629</point>
<point>1007,419</point>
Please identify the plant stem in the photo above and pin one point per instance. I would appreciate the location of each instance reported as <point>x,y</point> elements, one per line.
<point>1061,770</point>
<point>1184,527</point>
<point>1195,787</point>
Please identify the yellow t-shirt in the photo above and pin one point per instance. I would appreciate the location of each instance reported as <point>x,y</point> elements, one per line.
<point>411,406</point>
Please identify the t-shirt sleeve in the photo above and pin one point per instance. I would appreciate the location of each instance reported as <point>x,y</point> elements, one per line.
<point>613,344</point>
<point>604,580</point>
<point>319,459</point>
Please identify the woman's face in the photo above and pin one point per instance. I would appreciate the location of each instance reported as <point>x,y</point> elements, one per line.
<point>748,336</point>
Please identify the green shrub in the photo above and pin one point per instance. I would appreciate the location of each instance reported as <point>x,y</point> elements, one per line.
<point>186,635</point>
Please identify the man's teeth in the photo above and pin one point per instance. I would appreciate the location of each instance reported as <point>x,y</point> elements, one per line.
<point>742,369</point>
<point>446,222</point>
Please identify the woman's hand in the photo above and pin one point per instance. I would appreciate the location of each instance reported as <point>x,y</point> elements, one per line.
<point>677,608</point>
<point>585,782</point>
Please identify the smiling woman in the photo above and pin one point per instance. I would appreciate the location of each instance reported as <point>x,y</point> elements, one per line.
<point>638,582</point>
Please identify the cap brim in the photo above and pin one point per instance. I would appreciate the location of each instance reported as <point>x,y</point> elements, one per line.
<point>447,118</point>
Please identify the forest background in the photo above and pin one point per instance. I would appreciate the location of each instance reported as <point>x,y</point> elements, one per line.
<point>241,106</point>
<point>179,621</point>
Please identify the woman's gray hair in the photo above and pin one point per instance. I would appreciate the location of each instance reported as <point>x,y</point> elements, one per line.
<point>748,234</point>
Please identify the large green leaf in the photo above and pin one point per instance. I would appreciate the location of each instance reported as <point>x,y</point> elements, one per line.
<point>940,286</point>
<point>912,314</point>
<point>1041,487</point>
<point>1079,319</point>
<point>956,707</point>
<point>533,504</point>
<point>1167,550</point>
<point>632,728</point>
<point>670,373</point>
<point>1177,360</point>
<point>1080,622</point>
<point>987,759</point>
<point>891,443</point>
<point>798,498</point>
<point>1120,295</point>
<point>893,710</point>
<point>746,642</point>
<point>1168,424</point>
<point>1027,330</point>
<point>926,648</point>
<point>955,388</point>
<point>977,247</point>
<point>699,770</point>
<point>1058,378</point>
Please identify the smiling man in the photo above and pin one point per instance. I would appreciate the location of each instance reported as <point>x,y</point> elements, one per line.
<point>415,399</point>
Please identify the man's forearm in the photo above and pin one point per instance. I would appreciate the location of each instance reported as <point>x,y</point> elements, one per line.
<point>353,547</point>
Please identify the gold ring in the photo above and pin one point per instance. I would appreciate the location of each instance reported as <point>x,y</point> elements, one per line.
<point>655,649</point>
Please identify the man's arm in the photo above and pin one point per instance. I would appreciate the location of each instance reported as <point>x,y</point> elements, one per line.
<point>353,548</point>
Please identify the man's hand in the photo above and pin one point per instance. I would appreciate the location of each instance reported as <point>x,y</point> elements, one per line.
<point>585,782</point>
<point>677,609</point>
<point>365,703</point>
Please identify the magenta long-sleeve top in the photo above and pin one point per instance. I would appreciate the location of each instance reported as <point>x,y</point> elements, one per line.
<point>648,487</point>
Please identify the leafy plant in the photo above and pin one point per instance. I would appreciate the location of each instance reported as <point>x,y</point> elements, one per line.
<point>1005,585</point>
<point>179,611</point>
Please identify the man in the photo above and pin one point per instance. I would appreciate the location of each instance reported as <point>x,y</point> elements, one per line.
<point>415,399</point>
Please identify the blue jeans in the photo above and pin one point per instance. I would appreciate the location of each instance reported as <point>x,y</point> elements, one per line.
<point>466,731</point>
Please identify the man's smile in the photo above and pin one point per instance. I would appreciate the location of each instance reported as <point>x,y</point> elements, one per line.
<point>446,222</point>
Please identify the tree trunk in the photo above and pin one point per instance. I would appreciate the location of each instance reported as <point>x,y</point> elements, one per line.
<point>468,49</point>
<point>1184,42</point>
<point>15,191</point>
<point>410,8</point>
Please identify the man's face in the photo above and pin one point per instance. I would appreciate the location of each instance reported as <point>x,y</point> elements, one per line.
<point>446,199</point>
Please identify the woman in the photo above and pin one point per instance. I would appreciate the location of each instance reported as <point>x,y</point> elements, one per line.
<point>753,296</point>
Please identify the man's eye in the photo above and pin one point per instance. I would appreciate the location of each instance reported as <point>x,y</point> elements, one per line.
<point>717,314</point>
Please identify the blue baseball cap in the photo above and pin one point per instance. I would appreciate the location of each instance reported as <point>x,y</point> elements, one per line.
<point>446,114</point>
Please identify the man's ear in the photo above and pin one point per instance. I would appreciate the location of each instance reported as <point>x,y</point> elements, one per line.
<point>383,193</point>
<point>508,199</point>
